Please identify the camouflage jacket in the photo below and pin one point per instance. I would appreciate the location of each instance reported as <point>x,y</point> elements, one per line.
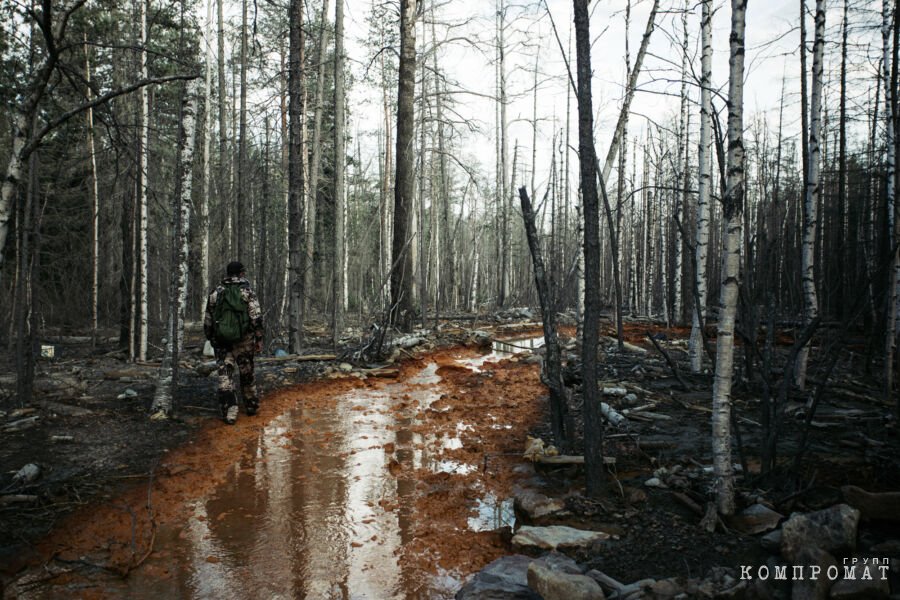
<point>249,296</point>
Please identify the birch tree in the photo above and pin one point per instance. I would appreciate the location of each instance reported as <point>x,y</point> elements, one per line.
<point>732,212</point>
<point>163,399</point>
<point>813,190</point>
<point>701,244</point>
<point>338,271</point>
<point>203,209</point>
<point>143,249</point>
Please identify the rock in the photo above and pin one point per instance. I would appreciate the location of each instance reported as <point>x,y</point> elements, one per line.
<point>861,589</point>
<point>127,394</point>
<point>654,482</point>
<point>504,579</point>
<point>345,367</point>
<point>534,504</point>
<point>808,588</point>
<point>280,353</point>
<point>832,530</point>
<point>630,399</point>
<point>754,519</point>
<point>555,537</point>
<point>208,350</point>
<point>666,588</point>
<point>771,542</point>
<point>553,585</point>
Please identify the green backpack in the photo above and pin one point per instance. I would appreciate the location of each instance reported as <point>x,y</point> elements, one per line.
<point>231,316</point>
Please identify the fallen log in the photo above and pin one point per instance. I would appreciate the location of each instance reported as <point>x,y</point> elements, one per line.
<point>610,414</point>
<point>17,499</point>
<point>880,506</point>
<point>292,358</point>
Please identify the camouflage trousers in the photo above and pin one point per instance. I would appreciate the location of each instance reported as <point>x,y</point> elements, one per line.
<point>240,357</point>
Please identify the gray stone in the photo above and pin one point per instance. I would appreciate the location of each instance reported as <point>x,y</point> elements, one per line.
<point>555,537</point>
<point>507,578</point>
<point>832,530</point>
<point>534,504</point>
<point>504,579</point>
<point>345,367</point>
<point>666,588</point>
<point>861,589</point>
<point>756,518</point>
<point>553,585</point>
<point>771,542</point>
<point>208,349</point>
<point>654,482</point>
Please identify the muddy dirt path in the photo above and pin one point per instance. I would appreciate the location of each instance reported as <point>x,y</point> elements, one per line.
<point>339,489</point>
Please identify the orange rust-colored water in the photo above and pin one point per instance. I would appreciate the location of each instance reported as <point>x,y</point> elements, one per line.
<point>337,489</point>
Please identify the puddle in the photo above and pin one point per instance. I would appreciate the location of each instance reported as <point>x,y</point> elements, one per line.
<point>492,514</point>
<point>503,349</point>
<point>320,505</point>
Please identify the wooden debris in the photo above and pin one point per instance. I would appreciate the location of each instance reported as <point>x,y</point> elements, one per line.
<point>610,414</point>
<point>293,358</point>
<point>21,424</point>
<point>883,506</point>
<point>17,499</point>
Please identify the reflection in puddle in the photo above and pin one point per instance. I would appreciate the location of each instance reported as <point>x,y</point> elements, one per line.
<point>492,514</point>
<point>320,505</point>
<point>503,349</point>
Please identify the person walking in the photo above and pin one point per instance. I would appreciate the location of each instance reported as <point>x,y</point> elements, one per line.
<point>233,324</point>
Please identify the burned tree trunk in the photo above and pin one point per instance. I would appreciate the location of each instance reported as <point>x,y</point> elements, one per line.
<point>593,424</point>
<point>553,372</point>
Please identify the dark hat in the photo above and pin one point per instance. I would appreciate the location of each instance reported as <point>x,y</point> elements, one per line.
<point>234,268</point>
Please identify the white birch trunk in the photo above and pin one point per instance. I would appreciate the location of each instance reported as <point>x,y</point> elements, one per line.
<point>504,151</point>
<point>95,201</point>
<point>178,283</point>
<point>339,281</point>
<point>731,268</point>
<point>143,203</point>
<point>207,129</point>
<point>813,191</point>
<point>703,185</point>
<point>681,197</point>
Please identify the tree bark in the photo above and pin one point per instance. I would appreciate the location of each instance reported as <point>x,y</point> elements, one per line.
<point>295,177</point>
<point>732,211</point>
<point>813,190</point>
<point>552,362</point>
<point>704,182</point>
<point>143,212</point>
<point>316,159</point>
<point>593,426</point>
<point>402,309</point>
<point>163,399</point>
<point>890,346</point>
<point>338,271</point>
